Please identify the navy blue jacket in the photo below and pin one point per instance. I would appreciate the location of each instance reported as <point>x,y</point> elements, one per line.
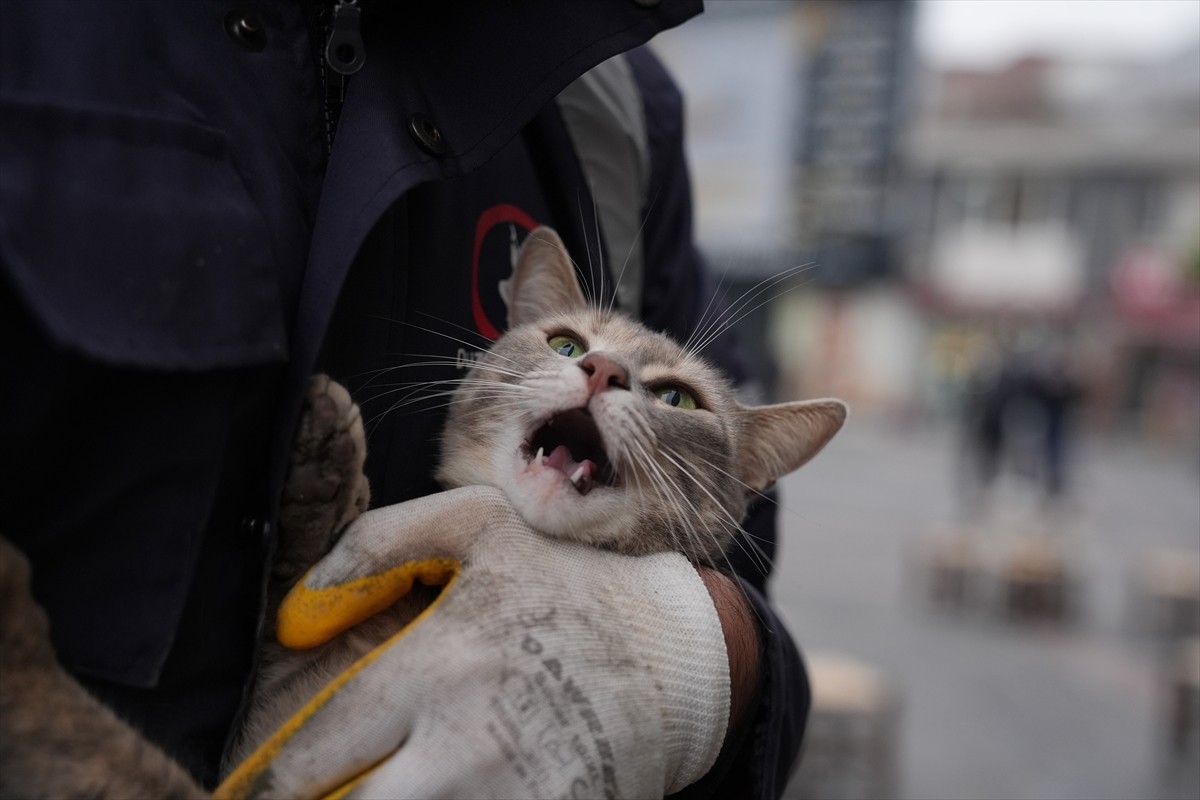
<point>186,191</point>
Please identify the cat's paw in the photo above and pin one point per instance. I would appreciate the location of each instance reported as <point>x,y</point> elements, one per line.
<point>326,488</point>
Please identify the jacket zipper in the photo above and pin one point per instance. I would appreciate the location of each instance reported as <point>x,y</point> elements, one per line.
<point>341,55</point>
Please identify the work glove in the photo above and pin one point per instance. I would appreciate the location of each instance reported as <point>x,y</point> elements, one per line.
<point>545,668</point>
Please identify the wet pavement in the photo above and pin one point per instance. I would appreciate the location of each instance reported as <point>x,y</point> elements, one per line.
<point>992,708</point>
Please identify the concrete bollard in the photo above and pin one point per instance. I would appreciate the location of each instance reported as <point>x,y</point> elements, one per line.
<point>952,570</point>
<point>1168,589</point>
<point>1183,707</point>
<point>850,745</point>
<point>1035,580</point>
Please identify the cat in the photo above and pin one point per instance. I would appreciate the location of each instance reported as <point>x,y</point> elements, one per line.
<point>597,430</point>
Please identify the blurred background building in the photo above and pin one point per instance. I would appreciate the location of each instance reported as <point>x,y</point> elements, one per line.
<point>932,209</point>
<point>963,216</point>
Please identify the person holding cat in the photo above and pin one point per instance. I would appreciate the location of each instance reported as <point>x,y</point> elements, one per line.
<point>201,205</point>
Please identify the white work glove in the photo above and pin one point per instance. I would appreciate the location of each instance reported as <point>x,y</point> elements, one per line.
<point>545,668</point>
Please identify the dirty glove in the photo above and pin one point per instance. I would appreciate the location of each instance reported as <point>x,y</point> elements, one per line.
<point>544,669</point>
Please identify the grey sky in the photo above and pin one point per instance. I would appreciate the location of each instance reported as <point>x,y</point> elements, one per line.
<point>986,33</point>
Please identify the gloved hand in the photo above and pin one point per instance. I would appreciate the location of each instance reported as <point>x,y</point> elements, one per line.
<point>544,669</point>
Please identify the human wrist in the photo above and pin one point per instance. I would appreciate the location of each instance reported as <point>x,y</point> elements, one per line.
<point>743,644</point>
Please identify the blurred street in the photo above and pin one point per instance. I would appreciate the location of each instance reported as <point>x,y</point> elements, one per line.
<point>989,707</point>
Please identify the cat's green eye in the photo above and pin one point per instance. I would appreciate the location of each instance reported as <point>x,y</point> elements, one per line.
<point>676,397</point>
<point>566,346</point>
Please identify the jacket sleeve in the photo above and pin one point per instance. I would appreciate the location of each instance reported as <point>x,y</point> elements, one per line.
<point>676,298</point>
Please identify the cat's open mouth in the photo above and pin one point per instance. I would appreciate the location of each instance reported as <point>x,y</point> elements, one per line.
<point>571,443</point>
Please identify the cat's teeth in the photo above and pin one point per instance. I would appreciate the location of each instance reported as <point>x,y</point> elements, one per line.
<point>538,458</point>
<point>582,480</point>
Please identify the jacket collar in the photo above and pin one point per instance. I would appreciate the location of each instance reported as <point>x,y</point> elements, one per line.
<point>478,82</point>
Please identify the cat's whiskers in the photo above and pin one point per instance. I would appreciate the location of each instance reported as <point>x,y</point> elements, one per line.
<point>504,404</point>
<point>722,310</point>
<point>635,430</point>
<point>617,284</point>
<point>444,335</point>
<point>491,392</point>
<point>642,428</point>
<point>688,473</point>
<point>735,525</point>
<point>544,374</point>
<point>694,550</point>
<point>589,287</point>
<point>742,315</point>
<point>501,403</point>
<point>675,498</point>
<point>455,402</point>
<point>478,374</point>
<point>632,432</point>
<point>412,387</point>
<point>737,311</point>
<point>637,470</point>
<point>475,376</point>
<point>588,291</point>
<point>762,561</point>
<point>483,345</point>
<point>432,360</point>
<point>550,382</point>
<point>715,304</point>
<point>760,495</point>
<point>640,434</point>
<point>485,389</point>
<point>724,472</point>
<point>412,397</point>
<point>435,361</point>
<point>599,241</point>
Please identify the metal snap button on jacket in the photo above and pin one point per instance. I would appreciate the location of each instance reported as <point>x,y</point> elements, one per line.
<point>426,134</point>
<point>245,29</point>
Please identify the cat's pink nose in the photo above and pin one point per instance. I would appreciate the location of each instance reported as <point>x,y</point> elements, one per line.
<point>603,373</point>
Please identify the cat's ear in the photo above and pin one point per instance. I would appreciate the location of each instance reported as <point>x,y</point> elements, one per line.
<point>777,439</point>
<point>543,281</point>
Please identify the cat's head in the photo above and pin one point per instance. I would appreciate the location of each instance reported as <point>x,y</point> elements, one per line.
<point>602,431</point>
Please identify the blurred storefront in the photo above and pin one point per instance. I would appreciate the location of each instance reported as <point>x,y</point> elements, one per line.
<point>1061,201</point>
<point>930,221</point>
